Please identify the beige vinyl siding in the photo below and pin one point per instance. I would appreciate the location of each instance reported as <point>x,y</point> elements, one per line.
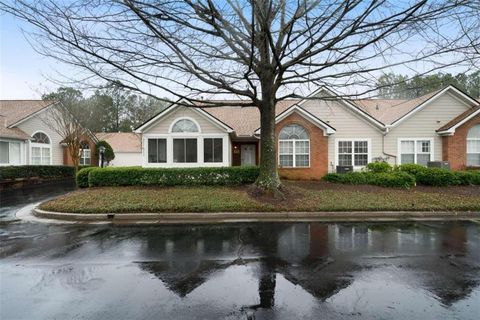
<point>424,123</point>
<point>35,124</point>
<point>347,125</point>
<point>163,125</point>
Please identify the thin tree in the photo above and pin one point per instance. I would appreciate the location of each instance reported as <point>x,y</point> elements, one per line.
<point>61,119</point>
<point>261,51</point>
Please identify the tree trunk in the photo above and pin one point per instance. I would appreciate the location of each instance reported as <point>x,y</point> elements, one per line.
<point>268,180</point>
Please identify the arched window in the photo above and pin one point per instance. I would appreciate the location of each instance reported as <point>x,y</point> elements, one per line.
<point>40,137</point>
<point>40,149</point>
<point>294,146</point>
<point>185,125</point>
<point>473,146</point>
<point>85,154</point>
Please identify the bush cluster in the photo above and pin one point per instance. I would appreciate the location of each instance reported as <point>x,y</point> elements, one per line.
<point>82,176</point>
<point>406,176</point>
<point>28,172</point>
<point>135,176</point>
<point>385,179</point>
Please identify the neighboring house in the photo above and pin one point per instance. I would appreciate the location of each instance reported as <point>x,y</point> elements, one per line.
<point>317,134</point>
<point>27,136</point>
<point>126,145</point>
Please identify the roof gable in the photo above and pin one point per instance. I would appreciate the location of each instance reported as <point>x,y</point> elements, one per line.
<point>17,111</point>
<point>450,127</point>
<point>327,129</point>
<point>149,123</point>
<point>348,104</point>
<point>463,97</point>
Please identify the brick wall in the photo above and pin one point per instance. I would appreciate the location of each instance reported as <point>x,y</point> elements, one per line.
<point>318,151</point>
<point>67,160</point>
<point>454,148</point>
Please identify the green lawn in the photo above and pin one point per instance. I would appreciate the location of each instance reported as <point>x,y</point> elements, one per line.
<point>310,196</point>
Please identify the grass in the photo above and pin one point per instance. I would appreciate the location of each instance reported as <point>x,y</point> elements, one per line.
<point>302,197</point>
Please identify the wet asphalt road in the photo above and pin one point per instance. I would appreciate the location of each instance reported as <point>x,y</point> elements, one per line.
<point>254,271</point>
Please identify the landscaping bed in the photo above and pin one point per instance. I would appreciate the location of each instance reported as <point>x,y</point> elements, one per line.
<point>301,196</point>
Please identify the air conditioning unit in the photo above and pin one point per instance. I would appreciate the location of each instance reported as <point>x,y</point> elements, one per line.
<point>344,169</point>
<point>439,164</point>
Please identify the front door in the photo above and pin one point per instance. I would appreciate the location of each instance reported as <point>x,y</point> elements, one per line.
<point>248,154</point>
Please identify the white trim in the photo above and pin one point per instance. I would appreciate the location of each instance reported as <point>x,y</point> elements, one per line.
<point>430,100</point>
<point>185,118</point>
<point>451,130</point>
<point>172,107</point>
<point>200,161</point>
<point>32,115</point>
<point>327,129</point>
<point>348,104</point>
<point>41,146</point>
<point>415,140</point>
<point>369,146</point>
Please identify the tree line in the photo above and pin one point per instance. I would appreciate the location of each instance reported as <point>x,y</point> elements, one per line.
<point>110,109</point>
<point>398,86</point>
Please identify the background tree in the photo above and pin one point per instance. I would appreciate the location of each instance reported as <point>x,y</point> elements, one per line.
<point>262,51</point>
<point>397,86</point>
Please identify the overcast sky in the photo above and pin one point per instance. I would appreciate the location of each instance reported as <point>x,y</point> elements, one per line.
<point>23,72</point>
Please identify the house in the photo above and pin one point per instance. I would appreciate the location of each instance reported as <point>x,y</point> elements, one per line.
<point>126,145</point>
<point>28,136</point>
<point>319,133</point>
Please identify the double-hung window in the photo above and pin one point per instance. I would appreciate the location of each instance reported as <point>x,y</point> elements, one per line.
<point>473,146</point>
<point>85,153</point>
<point>294,146</point>
<point>41,148</point>
<point>353,152</point>
<point>417,151</point>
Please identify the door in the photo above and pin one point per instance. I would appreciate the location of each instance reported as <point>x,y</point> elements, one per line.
<point>248,154</point>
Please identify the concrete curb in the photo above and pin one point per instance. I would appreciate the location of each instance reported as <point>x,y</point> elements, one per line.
<point>242,217</point>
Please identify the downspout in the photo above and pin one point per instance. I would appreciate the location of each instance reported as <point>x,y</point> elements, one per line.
<point>387,129</point>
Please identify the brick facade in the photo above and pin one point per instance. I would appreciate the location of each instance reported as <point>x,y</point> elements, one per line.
<point>454,148</point>
<point>67,159</point>
<point>318,150</point>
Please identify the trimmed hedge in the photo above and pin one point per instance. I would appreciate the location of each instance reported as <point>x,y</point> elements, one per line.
<point>82,177</point>
<point>467,178</point>
<point>134,176</point>
<point>437,177</point>
<point>384,179</point>
<point>44,172</point>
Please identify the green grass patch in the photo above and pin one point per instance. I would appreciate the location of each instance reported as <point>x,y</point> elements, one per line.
<point>230,199</point>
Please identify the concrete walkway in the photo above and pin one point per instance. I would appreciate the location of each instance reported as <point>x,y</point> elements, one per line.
<point>236,217</point>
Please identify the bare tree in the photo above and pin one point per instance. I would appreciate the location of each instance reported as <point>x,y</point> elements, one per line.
<point>261,51</point>
<point>61,119</point>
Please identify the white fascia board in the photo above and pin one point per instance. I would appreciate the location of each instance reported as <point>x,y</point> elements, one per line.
<point>32,115</point>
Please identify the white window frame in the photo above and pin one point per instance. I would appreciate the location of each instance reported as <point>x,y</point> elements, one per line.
<point>415,141</point>
<point>213,152</point>
<point>22,152</point>
<point>353,140</point>
<point>294,152</point>
<point>467,153</point>
<point>83,157</point>
<point>41,146</point>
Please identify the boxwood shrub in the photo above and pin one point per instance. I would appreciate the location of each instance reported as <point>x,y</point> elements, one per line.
<point>378,167</point>
<point>395,179</point>
<point>43,172</point>
<point>82,176</point>
<point>468,177</point>
<point>437,177</point>
<point>134,176</point>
